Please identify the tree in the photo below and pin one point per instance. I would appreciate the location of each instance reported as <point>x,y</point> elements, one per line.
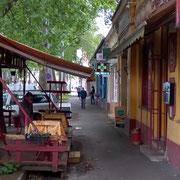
<point>57,23</point>
<point>5,6</point>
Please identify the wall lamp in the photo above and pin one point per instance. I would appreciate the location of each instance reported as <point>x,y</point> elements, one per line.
<point>131,3</point>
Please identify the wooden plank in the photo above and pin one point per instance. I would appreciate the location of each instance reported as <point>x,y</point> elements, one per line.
<point>36,148</point>
<point>15,137</point>
<point>57,82</point>
<point>54,91</point>
<point>42,168</point>
<point>36,168</point>
<point>63,157</point>
<point>22,137</point>
<point>68,144</point>
<point>64,111</point>
<point>74,157</point>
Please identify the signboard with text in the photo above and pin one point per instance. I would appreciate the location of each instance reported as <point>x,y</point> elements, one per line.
<point>99,56</point>
<point>178,13</point>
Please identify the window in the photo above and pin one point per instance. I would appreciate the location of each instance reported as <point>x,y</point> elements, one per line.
<point>4,99</point>
<point>54,98</point>
<point>18,97</point>
<point>40,99</point>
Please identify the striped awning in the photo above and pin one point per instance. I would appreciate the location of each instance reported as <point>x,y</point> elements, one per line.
<point>127,42</point>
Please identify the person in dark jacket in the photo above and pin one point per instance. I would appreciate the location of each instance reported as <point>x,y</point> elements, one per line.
<point>83,98</point>
<point>92,95</point>
<point>79,92</point>
<point>27,106</point>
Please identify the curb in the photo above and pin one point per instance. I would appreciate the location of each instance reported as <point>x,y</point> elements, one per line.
<point>22,176</point>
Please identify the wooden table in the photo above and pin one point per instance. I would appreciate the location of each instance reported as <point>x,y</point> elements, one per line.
<point>55,128</point>
<point>66,112</point>
<point>56,117</point>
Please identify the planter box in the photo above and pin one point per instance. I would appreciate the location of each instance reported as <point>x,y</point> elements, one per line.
<point>37,139</point>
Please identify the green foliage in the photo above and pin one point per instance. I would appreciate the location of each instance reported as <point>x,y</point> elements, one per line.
<point>34,66</point>
<point>89,43</point>
<point>9,168</point>
<point>55,27</point>
<point>66,97</point>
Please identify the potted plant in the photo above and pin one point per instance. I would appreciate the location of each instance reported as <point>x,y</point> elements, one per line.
<point>38,137</point>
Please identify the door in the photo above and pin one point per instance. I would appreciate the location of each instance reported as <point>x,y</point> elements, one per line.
<point>157,58</point>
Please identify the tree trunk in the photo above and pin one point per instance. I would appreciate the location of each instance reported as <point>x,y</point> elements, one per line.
<point>29,78</point>
<point>6,76</point>
<point>54,79</point>
<point>2,122</point>
<point>15,77</point>
<point>42,78</point>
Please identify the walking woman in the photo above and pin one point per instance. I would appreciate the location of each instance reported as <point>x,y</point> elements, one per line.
<point>92,95</point>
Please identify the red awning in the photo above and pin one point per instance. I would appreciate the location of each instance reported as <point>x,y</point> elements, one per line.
<point>45,59</point>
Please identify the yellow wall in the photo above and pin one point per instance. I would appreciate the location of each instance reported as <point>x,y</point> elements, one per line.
<point>173,126</point>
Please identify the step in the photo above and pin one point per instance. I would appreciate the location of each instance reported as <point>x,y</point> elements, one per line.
<point>153,154</point>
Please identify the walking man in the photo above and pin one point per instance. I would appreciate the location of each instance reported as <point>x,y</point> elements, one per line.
<point>83,98</point>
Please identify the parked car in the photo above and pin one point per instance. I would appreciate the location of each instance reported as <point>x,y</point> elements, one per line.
<point>19,87</point>
<point>40,102</point>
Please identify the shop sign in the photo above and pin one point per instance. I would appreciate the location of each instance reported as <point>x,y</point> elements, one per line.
<point>99,56</point>
<point>178,13</point>
<point>102,68</point>
<point>120,112</point>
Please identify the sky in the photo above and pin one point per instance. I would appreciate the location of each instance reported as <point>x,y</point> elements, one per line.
<point>103,29</point>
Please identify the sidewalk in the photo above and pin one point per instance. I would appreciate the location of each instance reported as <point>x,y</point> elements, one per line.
<point>107,154</point>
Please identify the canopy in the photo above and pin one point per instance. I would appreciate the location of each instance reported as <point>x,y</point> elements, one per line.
<point>45,59</point>
<point>127,42</point>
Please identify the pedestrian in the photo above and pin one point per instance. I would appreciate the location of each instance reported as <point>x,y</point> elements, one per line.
<point>83,98</point>
<point>92,93</point>
<point>27,105</point>
<point>79,92</point>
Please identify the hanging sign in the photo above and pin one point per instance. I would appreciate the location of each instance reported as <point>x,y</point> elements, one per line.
<point>102,68</point>
<point>99,56</point>
<point>178,13</point>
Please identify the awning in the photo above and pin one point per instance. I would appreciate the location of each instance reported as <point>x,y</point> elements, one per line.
<point>92,78</point>
<point>45,59</point>
<point>132,38</point>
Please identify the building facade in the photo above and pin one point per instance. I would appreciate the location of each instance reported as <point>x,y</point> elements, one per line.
<point>149,72</point>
